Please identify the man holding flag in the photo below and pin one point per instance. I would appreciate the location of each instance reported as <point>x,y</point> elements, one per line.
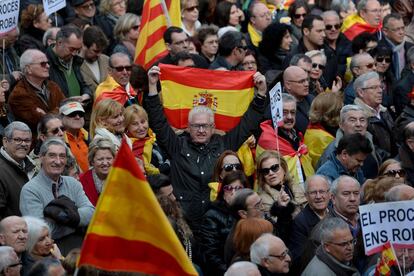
<point>194,154</point>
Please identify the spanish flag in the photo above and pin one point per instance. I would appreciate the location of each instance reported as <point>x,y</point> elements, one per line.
<point>154,22</point>
<point>354,25</point>
<point>129,231</point>
<point>317,139</point>
<point>110,89</point>
<point>386,260</point>
<point>227,93</point>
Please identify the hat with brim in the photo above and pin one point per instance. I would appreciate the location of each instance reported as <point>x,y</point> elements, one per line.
<point>71,107</point>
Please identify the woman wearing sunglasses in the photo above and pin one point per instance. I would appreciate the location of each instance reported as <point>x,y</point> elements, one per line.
<point>297,12</point>
<point>217,223</point>
<point>189,16</point>
<point>276,187</point>
<point>126,32</point>
<point>392,168</point>
<point>317,83</point>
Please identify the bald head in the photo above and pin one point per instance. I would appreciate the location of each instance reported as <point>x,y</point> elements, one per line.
<point>242,269</point>
<point>296,82</point>
<point>13,232</point>
<point>400,193</point>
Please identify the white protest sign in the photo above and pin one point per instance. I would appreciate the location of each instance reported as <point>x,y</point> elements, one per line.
<point>52,6</point>
<point>390,221</point>
<point>276,105</point>
<point>9,15</point>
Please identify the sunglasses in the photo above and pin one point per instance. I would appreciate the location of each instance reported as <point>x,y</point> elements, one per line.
<point>297,16</point>
<point>330,27</point>
<point>232,167</point>
<point>55,131</point>
<point>122,68</point>
<point>393,173</point>
<point>135,28</point>
<point>273,168</point>
<point>77,113</point>
<point>320,66</point>
<point>42,63</point>
<point>381,59</point>
<point>369,65</point>
<point>229,188</point>
<point>190,9</point>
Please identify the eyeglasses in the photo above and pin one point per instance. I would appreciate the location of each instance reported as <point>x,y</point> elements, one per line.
<point>247,63</point>
<point>373,11</point>
<point>282,256</point>
<point>273,168</point>
<point>381,59</point>
<point>320,66</point>
<point>201,126</point>
<point>42,63</point>
<point>19,141</point>
<point>330,27</point>
<point>232,167</point>
<point>191,9</point>
<point>135,28</point>
<point>374,87</point>
<point>345,243</point>
<point>302,81</point>
<point>321,192</point>
<point>122,68</point>
<point>76,113</point>
<point>299,15</point>
<point>229,188</point>
<point>393,173</point>
<point>55,131</point>
<point>263,15</point>
<point>369,65</point>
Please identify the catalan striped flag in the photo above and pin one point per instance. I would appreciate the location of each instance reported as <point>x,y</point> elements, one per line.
<point>227,93</point>
<point>150,44</point>
<point>386,261</point>
<point>354,25</point>
<point>129,231</point>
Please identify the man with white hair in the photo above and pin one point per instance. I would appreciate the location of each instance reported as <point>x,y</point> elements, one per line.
<point>242,269</point>
<point>260,18</point>
<point>10,264</point>
<point>14,233</point>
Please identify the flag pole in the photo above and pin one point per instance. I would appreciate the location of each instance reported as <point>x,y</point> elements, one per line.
<point>4,58</point>
<point>398,263</point>
<point>165,10</point>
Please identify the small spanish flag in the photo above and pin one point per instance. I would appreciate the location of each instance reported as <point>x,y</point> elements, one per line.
<point>129,231</point>
<point>354,25</point>
<point>227,93</point>
<point>386,261</point>
<point>110,89</point>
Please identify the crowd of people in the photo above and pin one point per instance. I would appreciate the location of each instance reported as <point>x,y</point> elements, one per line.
<point>288,203</point>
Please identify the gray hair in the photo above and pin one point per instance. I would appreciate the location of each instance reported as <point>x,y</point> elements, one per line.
<point>340,5</point>
<point>49,35</point>
<point>298,57</point>
<point>287,98</point>
<point>362,4</point>
<point>50,142</point>
<point>34,227</point>
<point>361,80</point>
<point>260,248</point>
<point>355,59</point>
<point>26,58</point>
<point>100,144</point>
<point>330,13</point>
<point>312,178</point>
<point>16,125</point>
<point>201,109</point>
<point>6,257</point>
<point>118,55</point>
<point>328,226</point>
<point>242,268</point>
<point>348,108</point>
<point>336,182</point>
<point>315,53</point>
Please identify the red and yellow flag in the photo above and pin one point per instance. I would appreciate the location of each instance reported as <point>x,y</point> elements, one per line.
<point>129,231</point>
<point>227,93</point>
<point>317,139</point>
<point>354,25</point>
<point>150,44</point>
<point>386,260</point>
<point>110,89</point>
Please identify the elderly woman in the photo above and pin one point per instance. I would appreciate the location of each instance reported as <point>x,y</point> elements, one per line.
<point>101,155</point>
<point>317,82</point>
<point>39,243</point>
<point>189,16</point>
<point>126,32</point>
<point>324,121</point>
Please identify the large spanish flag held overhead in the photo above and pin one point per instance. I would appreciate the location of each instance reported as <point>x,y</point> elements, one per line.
<point>354,25</point>
<point>129,231</point>
<point>227,93</point>
<point>154,21</point>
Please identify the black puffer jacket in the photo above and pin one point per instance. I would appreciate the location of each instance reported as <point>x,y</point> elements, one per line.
<point>215,227</point>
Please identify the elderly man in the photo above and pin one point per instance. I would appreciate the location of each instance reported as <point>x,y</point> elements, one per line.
<point>288,141</point>
<point>367,19</point>
<point>50,194</point>
<point>270,254</point>
<point>260,18</point>
<point>368,89</point>
<point>14,233</point>
<point>318,196</point>
<point>10,264</point>
<point>400,193</point>
<point>49,37</point>
<point>348,158</point>
<point>76,137</point>
<point>296,83</point>
<point>232,50</point>
<point>334,255</point>
<point>193,155</point>
<point>353,119</point>
<point>16,167</point>
<point>65,63</point>
<point>360,64</point>
<point>394,33</point>
<point>34,95</point>
<point>117,86</point>
<point>242,269</point>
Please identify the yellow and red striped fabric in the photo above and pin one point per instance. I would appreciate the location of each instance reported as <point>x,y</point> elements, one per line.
<point>317,139</point>
<point>386,261</point>
<point>150,44</point>
<point>110,89</point>
<point>129,231</point>
<point>354,25</point>
<point>227,93</point>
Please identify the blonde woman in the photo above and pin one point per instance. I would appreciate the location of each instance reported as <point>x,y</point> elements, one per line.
<point>126,32</point>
